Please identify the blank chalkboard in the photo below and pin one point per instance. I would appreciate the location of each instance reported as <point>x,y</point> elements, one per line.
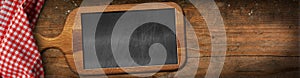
<point>161,31</point>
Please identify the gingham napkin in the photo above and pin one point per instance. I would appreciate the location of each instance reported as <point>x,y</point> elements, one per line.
<point>19,56</point>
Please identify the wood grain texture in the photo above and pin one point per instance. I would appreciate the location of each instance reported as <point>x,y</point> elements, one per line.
<point>77,38</point>
<point>263,43</point>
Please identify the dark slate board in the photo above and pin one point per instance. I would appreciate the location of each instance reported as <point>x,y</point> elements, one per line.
<point>140,40</point>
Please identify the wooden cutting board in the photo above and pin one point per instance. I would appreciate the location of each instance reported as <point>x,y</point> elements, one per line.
<point>262,44</point>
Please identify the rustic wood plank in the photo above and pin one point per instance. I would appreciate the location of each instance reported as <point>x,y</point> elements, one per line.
<point>56,65</point>
<point>253,66</point>
<point>256,34</point>
<point>260,44</point>
<point>237,66</point>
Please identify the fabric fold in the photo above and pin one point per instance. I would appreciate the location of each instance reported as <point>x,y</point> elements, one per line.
<point>19,55</point>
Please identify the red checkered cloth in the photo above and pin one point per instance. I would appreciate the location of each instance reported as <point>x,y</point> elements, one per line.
<point>19,56</point>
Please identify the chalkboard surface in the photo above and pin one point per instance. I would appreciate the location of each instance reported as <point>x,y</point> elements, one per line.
<point>140,40</point>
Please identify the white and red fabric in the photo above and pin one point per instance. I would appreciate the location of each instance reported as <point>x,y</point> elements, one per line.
<point>19,56</point>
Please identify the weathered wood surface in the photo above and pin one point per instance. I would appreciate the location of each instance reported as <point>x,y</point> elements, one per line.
<point>262,43</point>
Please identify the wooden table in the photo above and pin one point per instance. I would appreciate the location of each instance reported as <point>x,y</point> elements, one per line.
<point>262,36</point>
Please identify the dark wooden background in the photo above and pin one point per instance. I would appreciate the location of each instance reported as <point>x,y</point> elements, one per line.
<point>262,36</point>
